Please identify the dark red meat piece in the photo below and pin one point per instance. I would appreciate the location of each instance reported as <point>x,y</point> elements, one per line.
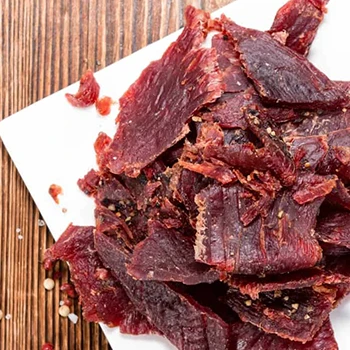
<point>88,91</point>
<point>266,61</point>
<point>167,255</point>
<point>310,187</point>
<point>340,196</point>
<point>179,317</point>
<point>299,20</point>
<point>253,285</point>
<point>96,290</point>
<point>103,105</point>
<point>247,337</point>
<point>293,314</point>
<point>228,59</point>
<point>334,229</point>
<point>280,242</point>
<point>157,107</point>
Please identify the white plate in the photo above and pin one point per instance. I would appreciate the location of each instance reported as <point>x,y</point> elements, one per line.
<point>52,142</point>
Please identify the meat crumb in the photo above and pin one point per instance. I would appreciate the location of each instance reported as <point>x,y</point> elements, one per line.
<point>47,346</point>
<point>55,191</point>
<point>103,105</point>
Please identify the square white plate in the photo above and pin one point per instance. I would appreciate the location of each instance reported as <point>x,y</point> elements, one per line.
<point>52,142</point>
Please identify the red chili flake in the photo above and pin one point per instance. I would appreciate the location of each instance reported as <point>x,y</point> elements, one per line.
<point>47,346</point>
<point>48,264</point>
<point>67,302</point>
<point>69,290</point>
<point>103,105</point>
<point>88,91</point>
<point>54,191</point>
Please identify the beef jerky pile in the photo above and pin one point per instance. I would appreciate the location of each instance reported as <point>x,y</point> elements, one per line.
<point>222,206</point>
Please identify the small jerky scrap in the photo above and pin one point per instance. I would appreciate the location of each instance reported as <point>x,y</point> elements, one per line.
<point>254,285</point>
<point>334,229</point>
<point>155,111</point>
<point>88,91</point>
<point>266,61</point>
<point>296,314</point>
<point>186,324</point>
<point>278,243</point>
<point>248,337</point>
<point>311,186</point>
<point>167,255</point>
<point>102,297</point>
<point>299,21</point>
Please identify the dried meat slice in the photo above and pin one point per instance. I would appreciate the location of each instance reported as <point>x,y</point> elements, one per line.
<point>248,337</point>
<point>186,324</point>
<point>265,61</point>
<point>254,285</point>
<point>94,283</point>
<point>156,109</point>
<point>334,229</point>
<point>280,242</point>
<point>167,255</point>
<point>299,21</point>
<point>296,314</point>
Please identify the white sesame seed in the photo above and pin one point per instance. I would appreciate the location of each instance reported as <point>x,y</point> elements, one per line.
<point>61,302</point>
<point>306,317</point>
<point>344,110</point>
<point>18,230</point>
<point>8,317</point>
<point>280,214</point>
<point>286,298</point>
<point>41,223</point>
<point>295,306</point>
<point>49,284</point>
<point>64,311</point>
<point>20,237</point>
<point>273,133</point>
<point>112,207</point>
<point>74,318</point>
<point>248,302</point>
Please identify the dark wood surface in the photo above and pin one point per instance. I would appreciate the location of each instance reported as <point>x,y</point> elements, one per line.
<point>45,46</point>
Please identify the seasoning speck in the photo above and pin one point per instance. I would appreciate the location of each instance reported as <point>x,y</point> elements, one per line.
<point>277,294</point>
<point>8,317</point>
<point>64,311</point>
<point>344,110</point>
<point>49,284</point>
<point>306,317</point>
<point>248,302</point>
<point>112,207</point>
<point>307,165</point>
<point>286,298</point>
<point>295,306</point>
<point>74,318</point>
<point>41,223</point>
<point>310,309</point>
<point>280,214</point>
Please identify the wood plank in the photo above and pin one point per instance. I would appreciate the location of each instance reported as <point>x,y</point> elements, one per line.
<point>46,45</point>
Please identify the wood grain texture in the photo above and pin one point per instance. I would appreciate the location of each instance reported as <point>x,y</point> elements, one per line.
<point>45,46</point>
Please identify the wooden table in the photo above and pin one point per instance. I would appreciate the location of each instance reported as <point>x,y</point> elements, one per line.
<point>47,45</point>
